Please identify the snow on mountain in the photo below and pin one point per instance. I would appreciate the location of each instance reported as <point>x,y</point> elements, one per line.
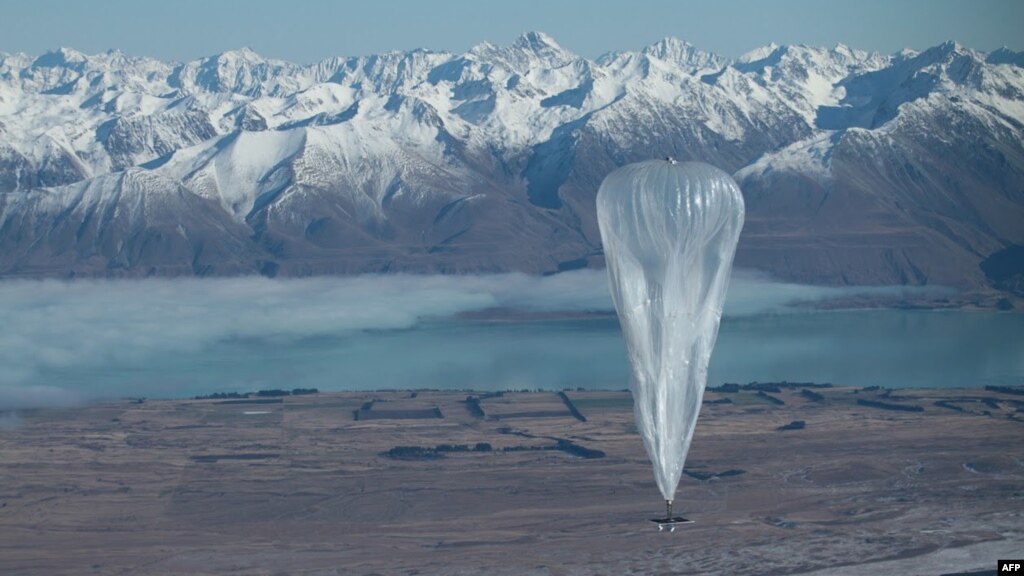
<point>117,222</point>
<point>684,55</point>
<point>806,77</point>
<point>489,159</point>
<point>810,158</point>
<point>919,171</point>
<point>240,72</point>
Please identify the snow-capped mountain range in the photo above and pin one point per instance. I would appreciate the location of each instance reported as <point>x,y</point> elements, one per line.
<point>857,167</point>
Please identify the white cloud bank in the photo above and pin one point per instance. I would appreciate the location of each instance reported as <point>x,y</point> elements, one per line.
<point>54,325</point>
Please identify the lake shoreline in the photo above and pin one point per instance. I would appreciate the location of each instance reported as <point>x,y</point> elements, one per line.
<point>720,394</point>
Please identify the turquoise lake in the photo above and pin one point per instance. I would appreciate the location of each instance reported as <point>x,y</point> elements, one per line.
<point>63,343</point>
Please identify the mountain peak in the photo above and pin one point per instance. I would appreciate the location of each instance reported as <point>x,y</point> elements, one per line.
<point>244,54</point>
<point>1005,56</point>
<point>758,53</point>
<point>946,53</point>
<point>670,43</point>
<point>682,53</point>
<point>537,41</point>
<point>60,57</point>
<point>669,49</point>
<point>948,48</point>
<point>529,51</point>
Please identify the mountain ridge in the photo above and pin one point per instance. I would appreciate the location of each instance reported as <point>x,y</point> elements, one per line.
<point>489,160</point>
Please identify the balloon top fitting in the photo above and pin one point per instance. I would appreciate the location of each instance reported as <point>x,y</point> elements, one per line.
<point>670,160</point>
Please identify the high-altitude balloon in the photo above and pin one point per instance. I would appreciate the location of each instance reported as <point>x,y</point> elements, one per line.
<point>669,231</point>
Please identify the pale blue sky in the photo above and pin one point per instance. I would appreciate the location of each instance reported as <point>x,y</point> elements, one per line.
<point>310,30</point>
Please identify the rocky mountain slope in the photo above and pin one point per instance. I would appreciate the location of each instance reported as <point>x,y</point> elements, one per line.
<point>857,167</point>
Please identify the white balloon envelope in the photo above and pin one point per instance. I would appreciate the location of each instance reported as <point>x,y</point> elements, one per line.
<point>669,231</point>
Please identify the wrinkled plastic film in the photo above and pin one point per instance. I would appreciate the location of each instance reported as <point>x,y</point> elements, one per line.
<point>669,232</point>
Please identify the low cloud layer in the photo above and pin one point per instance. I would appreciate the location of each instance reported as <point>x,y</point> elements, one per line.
<point>120,325</point>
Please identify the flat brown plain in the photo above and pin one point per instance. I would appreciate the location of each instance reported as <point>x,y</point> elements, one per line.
<point>302,487</point>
